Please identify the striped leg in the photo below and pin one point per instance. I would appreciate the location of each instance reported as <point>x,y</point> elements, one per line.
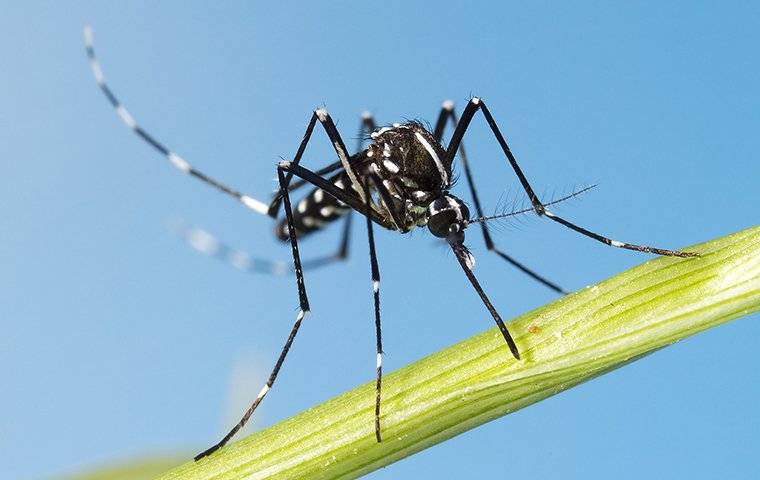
<point>378,330</point>
<point>476,104</point>
<point>178,162</point>
<point>304,309</point>
<point>327,123</point>
<point>448,113</point>
<point>286,170</point>
<point>204,242</point>
<point>366,127</point>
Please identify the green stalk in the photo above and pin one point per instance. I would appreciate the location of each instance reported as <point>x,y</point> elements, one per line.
<point>567,342</point>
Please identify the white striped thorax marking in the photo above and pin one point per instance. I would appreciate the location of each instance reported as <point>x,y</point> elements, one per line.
<point>434,156</point>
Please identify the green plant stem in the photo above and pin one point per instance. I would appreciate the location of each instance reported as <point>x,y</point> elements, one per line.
<point>567,342</point>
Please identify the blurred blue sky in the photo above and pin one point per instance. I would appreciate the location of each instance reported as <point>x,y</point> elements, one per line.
<point>118,340</point>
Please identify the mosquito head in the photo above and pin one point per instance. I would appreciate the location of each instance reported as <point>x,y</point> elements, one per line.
<point>447,217</point>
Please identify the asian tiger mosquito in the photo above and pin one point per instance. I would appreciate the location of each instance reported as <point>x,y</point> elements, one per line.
<point>400,181</point>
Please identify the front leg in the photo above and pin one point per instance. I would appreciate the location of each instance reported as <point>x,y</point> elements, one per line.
<point>303,301</point>
<point>447,113</point>
<point>476,104</point>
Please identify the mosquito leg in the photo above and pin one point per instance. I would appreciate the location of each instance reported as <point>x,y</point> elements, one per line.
<point>327,123</point>
<point>365,127</point>
<point>378,330</point>
<point>304,309</point>
<point>465,260</point>
<point>206,243</point>
<point>178,162</point>
<point>448,113</point>
<point>476,104</point>
<point>368,125</point>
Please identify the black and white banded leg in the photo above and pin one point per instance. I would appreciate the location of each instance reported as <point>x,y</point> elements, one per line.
<point>304,309</point>
<point>341,151</point>
<point>371,215</point>
<point>366,127</point>
<point>476,104</point>
<point>447,113</point>
<point>285,171</point>
<point>375,272</point>
<point>178,162</point>
<point>206,243</point>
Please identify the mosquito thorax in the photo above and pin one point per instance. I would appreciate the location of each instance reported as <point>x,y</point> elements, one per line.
<point>447,217</point>
<point>413,168</point>
<point>408,151</point>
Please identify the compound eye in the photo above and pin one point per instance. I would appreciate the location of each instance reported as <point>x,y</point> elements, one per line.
<point>441,223</point>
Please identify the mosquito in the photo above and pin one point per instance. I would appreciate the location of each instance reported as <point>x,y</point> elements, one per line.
<point>400,181</point>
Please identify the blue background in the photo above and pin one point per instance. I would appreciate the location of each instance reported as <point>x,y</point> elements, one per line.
<point>119,341</point>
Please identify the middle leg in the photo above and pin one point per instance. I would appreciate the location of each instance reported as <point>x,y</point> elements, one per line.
<point>303,301</point>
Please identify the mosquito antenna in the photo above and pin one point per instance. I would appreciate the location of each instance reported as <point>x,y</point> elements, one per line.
<point>514,213</point>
